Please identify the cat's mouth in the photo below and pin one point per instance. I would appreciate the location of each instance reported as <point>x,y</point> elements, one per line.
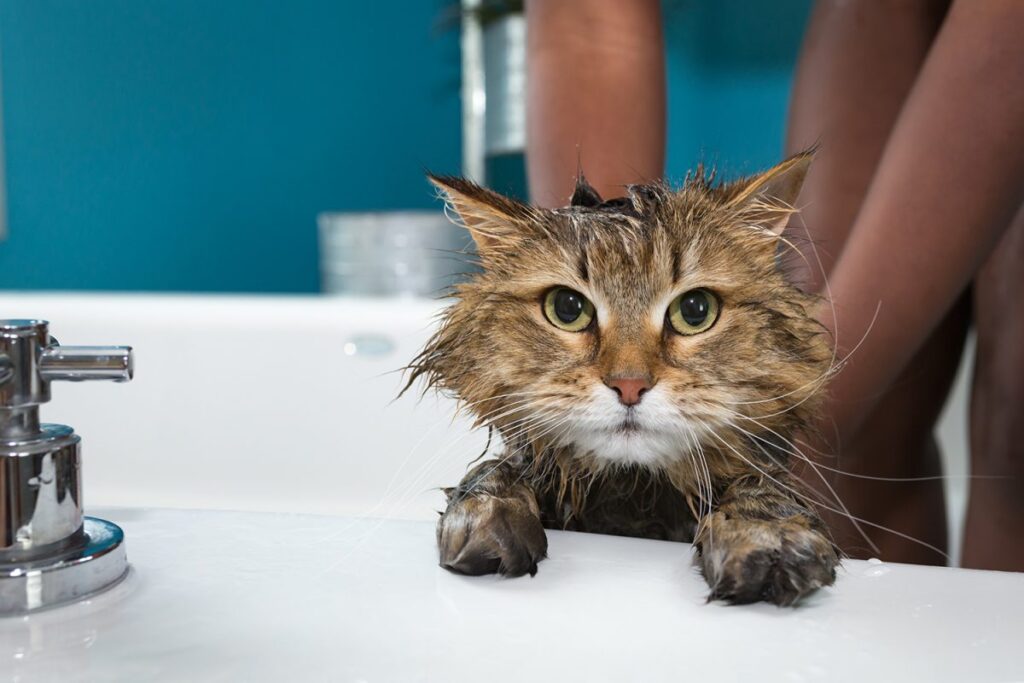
<point>629,425</point>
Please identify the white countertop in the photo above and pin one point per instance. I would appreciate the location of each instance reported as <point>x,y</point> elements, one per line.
<point>222,596</point>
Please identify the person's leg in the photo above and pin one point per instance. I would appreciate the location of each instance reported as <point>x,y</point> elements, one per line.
<point>596,89</point>
<point>995,514</point>
<point>858,63</point>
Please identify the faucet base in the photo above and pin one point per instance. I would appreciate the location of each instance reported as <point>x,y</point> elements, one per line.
<point>97,562</point>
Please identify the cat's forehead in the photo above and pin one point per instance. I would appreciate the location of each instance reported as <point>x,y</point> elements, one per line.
<point>635,257</point>
<point>649,215</point>
<point>629,243</point>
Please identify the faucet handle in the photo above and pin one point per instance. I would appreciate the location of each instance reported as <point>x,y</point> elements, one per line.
<point>30,359</point>
<point>78,363</point>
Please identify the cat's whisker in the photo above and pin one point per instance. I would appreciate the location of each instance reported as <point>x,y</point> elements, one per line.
<point>495,417</point>
<point>828,485</point>
<point>705,491</point>
<point>385,508</point>
<point>801,495</point>
<point>709,503</point>
<point>834,365</point>
<point>416,446</point>
<point>536,418</point>
<point>550,427</point>
<point>514,452</point>
<point>743,416</point>
<point>709,485</point>
<point>817,383</point>
<point>514,394</point>
<point>379,513</point>
<point>701,480</point>
<point>831,303</point>
<point>409,489</point>
<point>795,451</point>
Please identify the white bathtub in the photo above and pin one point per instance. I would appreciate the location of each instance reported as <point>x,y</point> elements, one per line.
<point>276,406</point>
<point>256,403</point>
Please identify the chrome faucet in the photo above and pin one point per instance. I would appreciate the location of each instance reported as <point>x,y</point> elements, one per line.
<point>49,552</point>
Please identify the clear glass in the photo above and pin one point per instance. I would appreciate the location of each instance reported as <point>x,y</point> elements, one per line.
<point>395,253</point>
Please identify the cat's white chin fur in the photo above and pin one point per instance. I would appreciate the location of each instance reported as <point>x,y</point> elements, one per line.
<point>653,433</point>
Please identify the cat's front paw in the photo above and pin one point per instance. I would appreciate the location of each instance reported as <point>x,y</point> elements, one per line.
<point>778,561</point>
<point>486,535</point>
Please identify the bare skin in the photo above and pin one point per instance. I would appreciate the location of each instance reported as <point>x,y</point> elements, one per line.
<point>858,64</point>
<point>910,210</point>
<point>962,189</point>
<point>596,96</point>
<point>992,528</point>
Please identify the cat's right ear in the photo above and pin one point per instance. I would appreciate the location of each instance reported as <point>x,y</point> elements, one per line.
<point>494,220</point>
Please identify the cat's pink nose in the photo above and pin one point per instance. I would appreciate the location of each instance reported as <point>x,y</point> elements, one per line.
<point>629,389</point>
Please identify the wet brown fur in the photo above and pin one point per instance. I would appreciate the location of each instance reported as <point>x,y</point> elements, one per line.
<point>751,381</point>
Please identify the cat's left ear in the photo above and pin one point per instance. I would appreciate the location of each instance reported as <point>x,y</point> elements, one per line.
<point>493,219</point>
<point>769,199</point>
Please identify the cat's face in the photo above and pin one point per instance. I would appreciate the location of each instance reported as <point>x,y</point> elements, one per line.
<point>635,331</point>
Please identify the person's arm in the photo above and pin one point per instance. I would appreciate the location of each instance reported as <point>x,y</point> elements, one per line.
<point>596,74</point>
<point>949,182</point>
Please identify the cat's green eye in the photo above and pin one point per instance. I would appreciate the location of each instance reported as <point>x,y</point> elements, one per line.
<point>568,310</point>
<point>693,312</point>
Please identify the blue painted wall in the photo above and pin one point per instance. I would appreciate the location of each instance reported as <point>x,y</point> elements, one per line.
<point>730,67</point>
<point>189,144</point>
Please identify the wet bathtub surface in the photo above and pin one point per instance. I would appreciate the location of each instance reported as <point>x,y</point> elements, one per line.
<point>222,596</point>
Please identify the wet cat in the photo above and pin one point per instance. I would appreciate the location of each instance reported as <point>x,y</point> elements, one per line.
<point>647,365</point>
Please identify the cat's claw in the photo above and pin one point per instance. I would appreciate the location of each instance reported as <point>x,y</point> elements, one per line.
<point>490,535</point>
<point>777,561</point>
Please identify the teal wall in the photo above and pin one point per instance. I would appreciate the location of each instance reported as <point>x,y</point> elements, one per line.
<point>189,144</point>
<point>730,67</point>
